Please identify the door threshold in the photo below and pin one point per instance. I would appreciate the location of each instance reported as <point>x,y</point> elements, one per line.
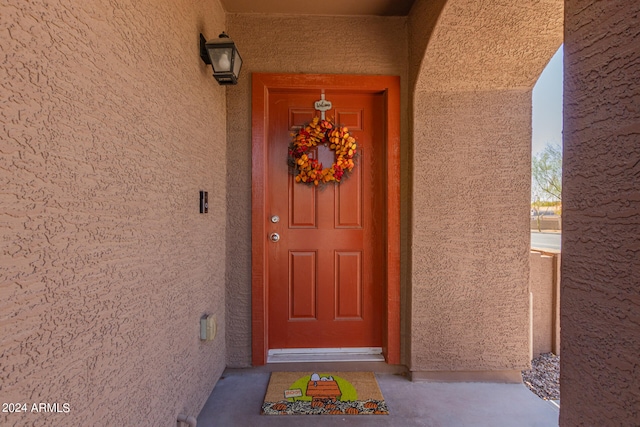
<point>351,354</point>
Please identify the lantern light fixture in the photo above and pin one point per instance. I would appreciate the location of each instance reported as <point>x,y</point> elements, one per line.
<point>224,58</point>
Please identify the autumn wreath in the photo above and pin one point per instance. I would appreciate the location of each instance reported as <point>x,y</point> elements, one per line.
<point>309,170</point>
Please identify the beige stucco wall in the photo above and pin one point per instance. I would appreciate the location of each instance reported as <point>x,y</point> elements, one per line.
<point>471,183</point>
<point>544,284</point>
<point>600,313</point>
<point>470,231</point>
<point>484,45</point>
<point>291,44</point>
<point>110,125</point>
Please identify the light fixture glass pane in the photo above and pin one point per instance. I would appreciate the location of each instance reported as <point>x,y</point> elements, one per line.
<point>237,63</point>
<point>221,59</point>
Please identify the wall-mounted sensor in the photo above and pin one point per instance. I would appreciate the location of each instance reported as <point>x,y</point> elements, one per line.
<point>204,201</point>
<point>208,327</point>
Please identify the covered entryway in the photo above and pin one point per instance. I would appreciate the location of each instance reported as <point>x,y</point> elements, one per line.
<point>325,265</point>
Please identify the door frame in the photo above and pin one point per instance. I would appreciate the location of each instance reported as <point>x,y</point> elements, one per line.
<point>262,84</point>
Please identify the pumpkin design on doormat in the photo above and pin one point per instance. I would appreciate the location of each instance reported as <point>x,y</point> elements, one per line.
<point>323,393</point>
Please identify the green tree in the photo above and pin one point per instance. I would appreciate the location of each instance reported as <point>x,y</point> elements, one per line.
<point>546,178</point>
<point>546,173</point>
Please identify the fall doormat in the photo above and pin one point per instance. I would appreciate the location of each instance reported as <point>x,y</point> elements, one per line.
<point>320,393</point>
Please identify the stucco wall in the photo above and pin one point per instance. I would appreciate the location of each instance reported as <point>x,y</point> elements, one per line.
<point>470,234</point>
<point>290,44</point>
<point>421,22</point>
<point>600,367</point>
<point>484,45</point>
<point>111,124</point>
<point>544,283</point>
<point>471,126</point>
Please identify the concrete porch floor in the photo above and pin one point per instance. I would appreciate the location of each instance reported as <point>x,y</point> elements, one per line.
<point>237,398</point>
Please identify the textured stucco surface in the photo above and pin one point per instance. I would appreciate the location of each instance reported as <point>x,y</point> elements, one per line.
<point>485,45</point>
<point>110,125</point>
<point>470,294</point>
<point>290,44</point>
<point>421,23</point>
<point>471,125</point>
<point>600,312</point>
<point>544,290</point>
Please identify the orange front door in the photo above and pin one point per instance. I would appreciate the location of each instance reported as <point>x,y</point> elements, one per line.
<point>326,275</point>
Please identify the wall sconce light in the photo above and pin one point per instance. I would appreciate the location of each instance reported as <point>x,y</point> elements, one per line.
<point>223,56</point>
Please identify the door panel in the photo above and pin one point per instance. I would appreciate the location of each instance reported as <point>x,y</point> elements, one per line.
<point>349,288</point>
<point>349,200</point>
<point>302,285</point>
<point>302,207</point>
<point>326,274</point>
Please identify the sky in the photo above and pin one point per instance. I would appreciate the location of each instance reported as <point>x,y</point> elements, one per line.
<point>547,105</point>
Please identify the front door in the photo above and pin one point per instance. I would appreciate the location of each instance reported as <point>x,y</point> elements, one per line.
<point>327,269</point>
<point>325,261</point>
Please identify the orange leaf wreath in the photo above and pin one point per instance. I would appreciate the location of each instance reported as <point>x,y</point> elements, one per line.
<point>309,170</point>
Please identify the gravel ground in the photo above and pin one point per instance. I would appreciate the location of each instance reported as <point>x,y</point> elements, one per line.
<point>544,376</point>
